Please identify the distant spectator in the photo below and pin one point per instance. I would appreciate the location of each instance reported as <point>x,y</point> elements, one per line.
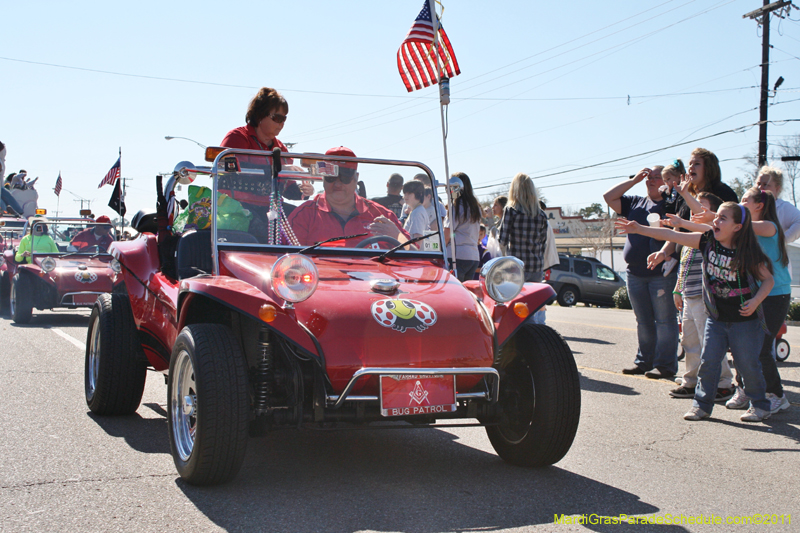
<point>462,226</point>
<point>649,291</point>
<point>429,198</point>
<point>393,201</point>
<point>771,179</point>
<point>2,161</point>
<point>416,224</point>
<point>482,253</point>
<point>523,228</point>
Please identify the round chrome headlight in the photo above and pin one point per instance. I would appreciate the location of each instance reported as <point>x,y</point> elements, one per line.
<point>115,266</point>
<point>502,278</point>
<point>48,264</point>
<point>294,277</point>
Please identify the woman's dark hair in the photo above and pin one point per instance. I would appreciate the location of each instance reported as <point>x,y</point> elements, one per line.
<point>416,188</point>
<point>267,101</point>
<point>748,255</point>
<point>467,204</point>
<point>770,213</point>
<point>711,172</point>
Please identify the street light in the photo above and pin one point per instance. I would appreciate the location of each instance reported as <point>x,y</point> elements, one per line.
<point>169,138</point>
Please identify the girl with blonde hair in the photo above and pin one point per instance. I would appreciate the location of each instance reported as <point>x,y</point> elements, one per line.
<point>523,228</point>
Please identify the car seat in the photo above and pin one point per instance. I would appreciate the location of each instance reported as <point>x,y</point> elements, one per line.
<point>193,255</point>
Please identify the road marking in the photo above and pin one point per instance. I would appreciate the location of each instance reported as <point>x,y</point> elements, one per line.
<point>70,338</point>
<point>591,325</point>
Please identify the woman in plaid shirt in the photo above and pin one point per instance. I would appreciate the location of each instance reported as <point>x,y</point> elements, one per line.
<point>523,228</point>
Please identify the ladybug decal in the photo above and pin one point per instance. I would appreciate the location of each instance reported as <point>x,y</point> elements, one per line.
<point>401,315</point>
<point>84,276</point>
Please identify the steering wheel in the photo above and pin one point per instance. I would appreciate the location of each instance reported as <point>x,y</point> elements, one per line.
<point>369,241</point>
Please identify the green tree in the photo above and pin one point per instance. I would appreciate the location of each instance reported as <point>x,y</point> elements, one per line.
<point>593,211</point>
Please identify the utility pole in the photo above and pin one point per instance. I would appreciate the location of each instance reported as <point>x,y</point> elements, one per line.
<point>764,13</point>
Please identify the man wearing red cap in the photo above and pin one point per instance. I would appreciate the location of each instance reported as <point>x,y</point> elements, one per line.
<point>339,211</point>
<point>96,235</point>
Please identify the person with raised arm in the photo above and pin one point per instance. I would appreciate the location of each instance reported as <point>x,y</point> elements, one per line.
<point>733,266</point>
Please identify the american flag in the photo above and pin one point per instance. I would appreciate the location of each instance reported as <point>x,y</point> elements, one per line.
<point>112,175</point>
<point>416,58</point>
<point>59,183</point>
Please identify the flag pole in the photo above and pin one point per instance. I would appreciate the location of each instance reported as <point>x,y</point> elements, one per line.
<point>58,196</point>
<point>121,196</point>
<point>435,22</point>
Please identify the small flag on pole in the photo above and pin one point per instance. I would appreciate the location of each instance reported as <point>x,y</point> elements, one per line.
<point>59,184</point>
<point>112,175</point>
<point>117,202</point>
<point>416,58</point>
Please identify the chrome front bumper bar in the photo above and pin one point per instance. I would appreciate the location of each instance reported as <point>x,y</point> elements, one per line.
<point>336,401</point>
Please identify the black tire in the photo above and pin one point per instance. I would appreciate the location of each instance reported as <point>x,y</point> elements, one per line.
<point>115,368</point>
<point>20,300</point>
<point>568,296</point>
<point>208,405</point>
<point>5,292</point>
<point>782,350</point>
<point>540,399</point>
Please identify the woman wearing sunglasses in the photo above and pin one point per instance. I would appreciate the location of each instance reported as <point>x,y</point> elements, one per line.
<point>265,118</point>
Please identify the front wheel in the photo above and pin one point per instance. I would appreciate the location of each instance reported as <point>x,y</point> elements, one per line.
<point>20,300</point>
<point>208,404</point>
<point>568,296</point>
<point>540,399</point>
<point>5,292</point>
<point>782,350</point>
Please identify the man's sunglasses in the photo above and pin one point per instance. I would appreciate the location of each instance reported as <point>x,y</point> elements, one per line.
<point>346,176</point>
<point>277,118</point>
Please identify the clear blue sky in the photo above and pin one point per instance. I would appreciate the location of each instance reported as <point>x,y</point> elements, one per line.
<point>544,86</point>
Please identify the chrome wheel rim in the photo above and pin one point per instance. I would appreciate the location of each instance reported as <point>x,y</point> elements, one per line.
<point>93,364</point>
<point>569,297</point>
<point>183,401</point>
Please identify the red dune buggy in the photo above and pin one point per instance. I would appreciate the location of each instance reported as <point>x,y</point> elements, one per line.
<point>59,270</point>
<point>261,316</point>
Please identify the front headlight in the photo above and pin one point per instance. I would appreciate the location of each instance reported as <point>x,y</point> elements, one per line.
<point>502,278</point>
<point>48,264</point>
<point>115,266</point>
<point>294,277</point>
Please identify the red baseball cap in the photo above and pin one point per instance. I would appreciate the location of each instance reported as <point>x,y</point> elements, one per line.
<point>347,152</point>
<point>103,219</point>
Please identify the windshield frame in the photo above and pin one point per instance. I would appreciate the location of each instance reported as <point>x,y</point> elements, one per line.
<point>218,165</point>
<point>86,222</point>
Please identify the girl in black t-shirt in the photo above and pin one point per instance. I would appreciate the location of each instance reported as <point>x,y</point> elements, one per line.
<point>737,276</point>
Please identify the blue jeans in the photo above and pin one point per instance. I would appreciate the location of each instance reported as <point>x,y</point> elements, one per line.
<point>466,269</point>
<point>745,340</point>
<point>656,321</point>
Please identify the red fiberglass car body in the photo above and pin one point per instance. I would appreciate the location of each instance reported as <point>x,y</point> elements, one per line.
<point>59,273</point>
<point>257,325</point>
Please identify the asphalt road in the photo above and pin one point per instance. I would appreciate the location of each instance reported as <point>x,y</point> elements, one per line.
<point>64,469</point>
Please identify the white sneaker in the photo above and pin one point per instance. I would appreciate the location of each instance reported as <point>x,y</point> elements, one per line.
<point>739,400</point>
<point>754,414</point>
<point>777,403</point>
<point>695,413</point>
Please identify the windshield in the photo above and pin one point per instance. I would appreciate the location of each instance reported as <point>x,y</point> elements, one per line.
<point>366,205</point>
<point>73,237</point>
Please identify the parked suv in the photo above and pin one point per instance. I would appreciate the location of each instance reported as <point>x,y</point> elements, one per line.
<point>583,279</point>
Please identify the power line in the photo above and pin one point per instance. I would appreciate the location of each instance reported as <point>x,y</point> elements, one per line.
<point>648,152</point>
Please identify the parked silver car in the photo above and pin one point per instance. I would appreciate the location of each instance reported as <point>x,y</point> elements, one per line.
<point>583,279</point>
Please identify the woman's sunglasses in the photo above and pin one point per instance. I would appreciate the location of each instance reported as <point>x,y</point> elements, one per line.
<point>277,118</point>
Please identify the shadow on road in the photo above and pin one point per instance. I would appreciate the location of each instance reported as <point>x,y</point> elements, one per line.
<point>145,435</point>
<point>596,385</point>
<point>414,480</point>
<point>54,321</point>
<point>587,340</point>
